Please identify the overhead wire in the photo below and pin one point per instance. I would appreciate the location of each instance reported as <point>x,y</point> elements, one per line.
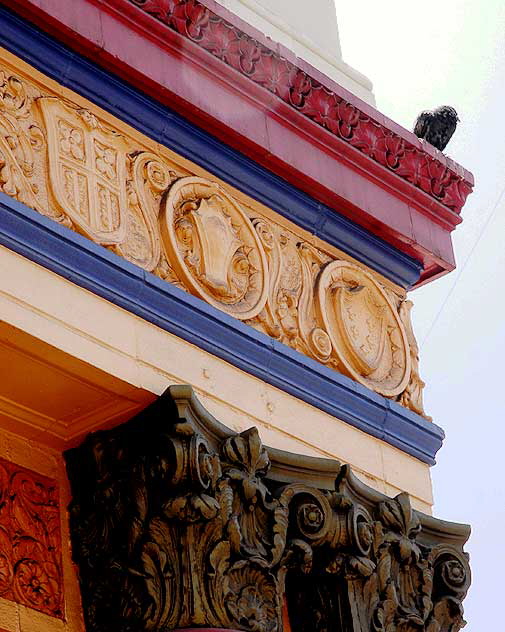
<point>462,268</point>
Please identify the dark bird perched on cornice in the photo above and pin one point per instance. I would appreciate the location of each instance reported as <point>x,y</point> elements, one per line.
<point>437,126</point>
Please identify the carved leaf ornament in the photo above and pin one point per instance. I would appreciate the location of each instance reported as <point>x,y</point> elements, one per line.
<point>121,192</point>
<point>296,88</point>
<point>178,523</point>
<point>30,540</point>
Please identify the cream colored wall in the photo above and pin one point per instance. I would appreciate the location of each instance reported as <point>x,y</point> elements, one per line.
<point>310,31</point>
<point>56,311</point>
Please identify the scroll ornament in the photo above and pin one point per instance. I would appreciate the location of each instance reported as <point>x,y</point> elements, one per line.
<point>178,523</point>
<point>123,193</point>
<point>30,540</point>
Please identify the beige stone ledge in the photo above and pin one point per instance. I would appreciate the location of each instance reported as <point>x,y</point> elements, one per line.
<point>122,345</point>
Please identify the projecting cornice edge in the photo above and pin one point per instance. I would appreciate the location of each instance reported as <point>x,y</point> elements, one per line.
<point>343,115</point>
<point>387,198</point>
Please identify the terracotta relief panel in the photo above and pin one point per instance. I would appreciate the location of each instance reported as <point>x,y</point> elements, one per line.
<point>30,540</point>
<point>92,173</point>
<point>365,329</point>
<point>212,245</point>
<point>87,169</point>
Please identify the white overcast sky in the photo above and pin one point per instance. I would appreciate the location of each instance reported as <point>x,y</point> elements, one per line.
<point>420,55</point>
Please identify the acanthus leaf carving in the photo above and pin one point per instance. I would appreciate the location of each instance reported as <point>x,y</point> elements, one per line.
<point>313,330</point>
<point>17,141</point>
<point>412,396</point>
<point>30,540</point>
<point>320,104</point>
<point>178,523</point>
<point>150,178</point>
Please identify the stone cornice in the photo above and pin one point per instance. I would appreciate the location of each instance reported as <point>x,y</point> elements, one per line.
<point>191,82</point>
<point>333,108</point>
<point>123,191</point>
<point>98,270</point>
<point>177,522</point>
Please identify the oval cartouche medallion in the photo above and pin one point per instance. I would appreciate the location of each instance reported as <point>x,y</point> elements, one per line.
<point>367,334</point>
<point>214,248</point>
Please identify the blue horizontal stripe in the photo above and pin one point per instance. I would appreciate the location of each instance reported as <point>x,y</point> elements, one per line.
<point>93,267</point>
<point>170,129</point>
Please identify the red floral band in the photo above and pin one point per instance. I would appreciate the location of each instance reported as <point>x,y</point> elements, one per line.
<point>193,20</point>
<point>30,540</point>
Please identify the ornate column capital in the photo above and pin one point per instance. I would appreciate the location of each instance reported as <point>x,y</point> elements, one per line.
<point>177,522</point>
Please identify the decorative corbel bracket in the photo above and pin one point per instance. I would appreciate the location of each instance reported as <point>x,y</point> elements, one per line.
<point>177,522</point>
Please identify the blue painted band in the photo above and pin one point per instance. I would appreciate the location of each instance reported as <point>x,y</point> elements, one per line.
<point>170,129</point>
<point>92,267</point>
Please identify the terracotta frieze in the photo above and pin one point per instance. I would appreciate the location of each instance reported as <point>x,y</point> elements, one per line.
<point>30,540</point>
<point>325,107</point>
<point>177,522</point>
<point>82,168</point>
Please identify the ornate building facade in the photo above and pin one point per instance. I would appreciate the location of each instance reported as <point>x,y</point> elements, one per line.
<point>208,236</point>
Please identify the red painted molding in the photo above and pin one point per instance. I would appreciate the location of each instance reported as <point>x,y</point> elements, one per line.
<point>258,97</point>
<point>30,540</point>
<point>341,115</point>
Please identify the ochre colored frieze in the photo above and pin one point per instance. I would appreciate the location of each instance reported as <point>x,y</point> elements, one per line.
<point>30,540</point>
<point>88,171</point>
<point>299,90</point>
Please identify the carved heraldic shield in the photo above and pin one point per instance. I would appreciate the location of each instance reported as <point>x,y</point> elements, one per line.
<point>87,164</point>
<point>213,246</point>
<point>365,329</point>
